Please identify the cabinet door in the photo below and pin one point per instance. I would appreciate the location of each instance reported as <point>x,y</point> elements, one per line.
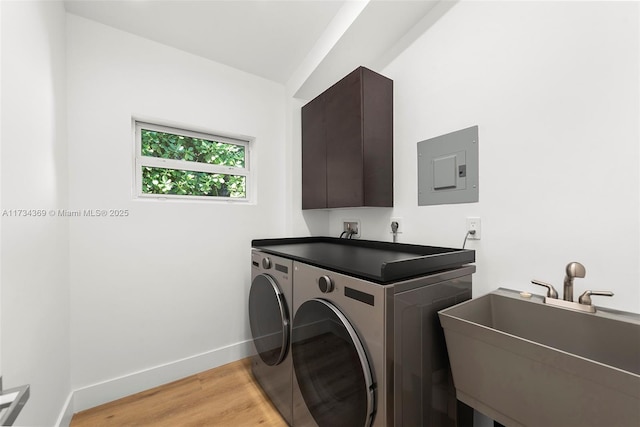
<point>377,118</point>
<point>314,165</point>
<point>343,119</point>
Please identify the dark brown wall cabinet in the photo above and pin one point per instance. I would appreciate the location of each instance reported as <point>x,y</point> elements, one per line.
<point>347,144</point>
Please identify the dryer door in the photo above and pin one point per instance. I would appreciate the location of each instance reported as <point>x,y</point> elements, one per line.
<point>269,319</point>
<point>331,367</point>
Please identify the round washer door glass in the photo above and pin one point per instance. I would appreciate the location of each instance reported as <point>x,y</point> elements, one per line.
<point>269,319</point>
<point>331,367</point>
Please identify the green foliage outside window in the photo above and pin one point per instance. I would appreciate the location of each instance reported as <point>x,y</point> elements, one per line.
<point>185,182</point>
<point>182,182</point>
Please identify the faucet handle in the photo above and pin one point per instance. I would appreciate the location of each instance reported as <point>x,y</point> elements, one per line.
<point>551,291</point>
<point>585,298</point>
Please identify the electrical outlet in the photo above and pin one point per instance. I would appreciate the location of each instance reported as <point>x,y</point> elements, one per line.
<point>351,225</point>
<point>473,224</point>
<point>400,225</point>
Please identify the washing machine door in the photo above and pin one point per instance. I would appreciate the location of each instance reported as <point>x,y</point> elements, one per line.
<point>331,366</point>
<point>269,319</point>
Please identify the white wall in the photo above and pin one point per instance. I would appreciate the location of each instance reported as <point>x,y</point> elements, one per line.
<point>1,117</point>
<point>171,280</point>
<point>35,250</point>
<point>553,87</point>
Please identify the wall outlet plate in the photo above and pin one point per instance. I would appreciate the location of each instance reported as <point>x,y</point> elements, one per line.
<point>349,225</point>
<point>473,224</point>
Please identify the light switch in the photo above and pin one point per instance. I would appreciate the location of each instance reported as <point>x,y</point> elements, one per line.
<point>444,172</point>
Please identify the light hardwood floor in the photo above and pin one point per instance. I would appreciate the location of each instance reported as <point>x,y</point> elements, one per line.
<point>224,396</point>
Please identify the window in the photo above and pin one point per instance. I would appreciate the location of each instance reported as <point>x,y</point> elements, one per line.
<point>177,163</point>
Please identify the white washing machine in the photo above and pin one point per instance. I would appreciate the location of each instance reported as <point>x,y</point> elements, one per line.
<point>369,354</point>
<point>270,299</point>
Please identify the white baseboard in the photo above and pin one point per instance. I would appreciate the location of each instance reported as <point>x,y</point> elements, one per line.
<point>64,419</point>
<point>110,390</point>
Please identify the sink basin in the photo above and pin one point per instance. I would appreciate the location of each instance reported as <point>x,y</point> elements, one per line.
<point>525,363</point>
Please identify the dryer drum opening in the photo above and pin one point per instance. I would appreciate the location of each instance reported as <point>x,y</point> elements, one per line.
<point>331,367</point>
<point>268,319</point>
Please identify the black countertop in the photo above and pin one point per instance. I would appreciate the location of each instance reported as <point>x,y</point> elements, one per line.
<point>380,262</point>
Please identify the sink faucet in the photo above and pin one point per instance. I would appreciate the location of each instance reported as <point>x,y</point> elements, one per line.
<point>573,270</point>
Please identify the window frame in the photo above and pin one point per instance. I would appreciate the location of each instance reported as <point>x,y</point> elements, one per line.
<point>141,161</point>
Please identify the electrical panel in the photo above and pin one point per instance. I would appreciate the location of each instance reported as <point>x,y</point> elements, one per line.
<point>448,168</point>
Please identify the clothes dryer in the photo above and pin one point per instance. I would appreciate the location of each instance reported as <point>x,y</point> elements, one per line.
<point>368,354</point>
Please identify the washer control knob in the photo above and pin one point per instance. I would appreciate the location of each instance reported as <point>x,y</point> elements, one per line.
<point>325,284</point>
<point>266,263</point>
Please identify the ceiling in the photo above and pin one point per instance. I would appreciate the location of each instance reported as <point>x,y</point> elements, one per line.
<point>306,45</point>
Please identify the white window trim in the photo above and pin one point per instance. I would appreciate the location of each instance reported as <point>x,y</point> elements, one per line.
<point>141,161</point>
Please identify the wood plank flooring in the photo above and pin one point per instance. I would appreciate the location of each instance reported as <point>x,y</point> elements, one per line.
<point>224,396</point>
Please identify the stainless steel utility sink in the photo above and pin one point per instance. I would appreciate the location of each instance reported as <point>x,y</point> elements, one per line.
<point>526,363</point>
